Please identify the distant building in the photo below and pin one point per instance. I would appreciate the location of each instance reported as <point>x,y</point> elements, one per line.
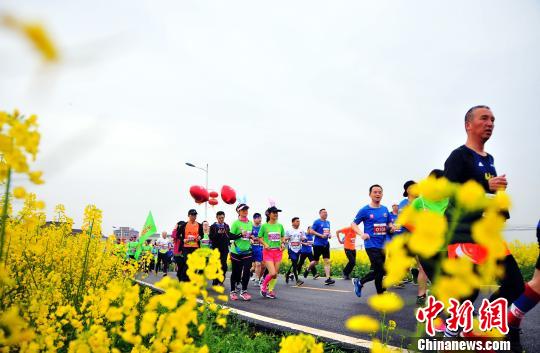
<point>125,234</point>
<point>53,223</point>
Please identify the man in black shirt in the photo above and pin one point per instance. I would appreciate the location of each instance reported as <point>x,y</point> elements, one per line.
<point>219,239</point>
<point>472,162</point>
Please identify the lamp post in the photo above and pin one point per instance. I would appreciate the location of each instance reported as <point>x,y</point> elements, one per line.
<point>206,171</point>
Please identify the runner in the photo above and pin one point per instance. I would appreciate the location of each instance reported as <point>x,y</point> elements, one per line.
<point>189,235</point>
<point>422,204</point>
<point>147,255</point>
<point>376,219</point>
<point>525,303</point>
<point>132,249</point>
<point>307,253</point>
<point>321,230</point>
<point>272,236</point>
<point>163,245</point>
<point>205,241</point>
<point>257,249</point>
<point>349,244</point>
<point>472,162</point>
<point>293,237</point>
<point>241,254</point>
<point>219,239</point>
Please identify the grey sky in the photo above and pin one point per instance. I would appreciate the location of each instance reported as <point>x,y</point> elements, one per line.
<point>308,103</point>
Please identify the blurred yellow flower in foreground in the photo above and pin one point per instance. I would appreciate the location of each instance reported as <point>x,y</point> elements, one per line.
<point>386,302</point>
<point>300,344</point>
<point>362,323</point>
<point>36,34</point>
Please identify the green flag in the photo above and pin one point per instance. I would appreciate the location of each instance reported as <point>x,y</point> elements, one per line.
<point>149,228</point>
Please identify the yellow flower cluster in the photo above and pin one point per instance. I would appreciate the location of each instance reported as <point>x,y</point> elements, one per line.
<point>74,292</point>
<point>300,344</point>
<point>19,141</point>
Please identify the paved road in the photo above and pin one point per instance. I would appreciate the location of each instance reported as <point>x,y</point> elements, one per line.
<point>327,308</point>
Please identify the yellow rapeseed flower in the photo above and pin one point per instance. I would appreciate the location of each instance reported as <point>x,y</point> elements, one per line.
<point>386,302</point>
<point>362,323</point>
<point>471,196</point>
<point>434,189</point>
<point>301,343</point>
<point>429,234</point>
<point>19,192</point>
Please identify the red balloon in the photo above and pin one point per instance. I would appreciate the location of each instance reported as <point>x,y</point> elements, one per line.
<point>228,195</point>
<point>213,194</point>
<point>213,202</point>
<point>199,193</point>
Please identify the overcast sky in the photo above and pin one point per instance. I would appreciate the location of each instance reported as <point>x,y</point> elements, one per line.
<point>304,102</point>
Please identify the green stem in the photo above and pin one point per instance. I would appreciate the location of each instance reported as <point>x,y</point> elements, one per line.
<point>85,267</point>
<point>5,215</point>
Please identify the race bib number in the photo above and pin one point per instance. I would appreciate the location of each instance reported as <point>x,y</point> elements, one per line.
<point>246,234</point>
<point>295,243</point>
<point>190,238</point>
<point>326,231</point>
<point>379,229</point>
<point>205,241</point>
<point>309,242</point>
<point>274,236</point>
<point>353,240</point>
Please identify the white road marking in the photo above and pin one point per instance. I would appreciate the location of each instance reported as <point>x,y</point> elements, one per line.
<point>354,341</point>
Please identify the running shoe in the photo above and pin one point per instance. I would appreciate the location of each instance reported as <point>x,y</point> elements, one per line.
<point>263,291</point>
<point>346,277</point>
<point>233,296</point>
<point>329,281</point>
<point>357,287</point>
<point>315,276</point>
<point>245,295</point>
<point>399,285</point>
<point>238,285</point>
<point>306,272</point>
<point>271,295</point>
<point>287,278</point>
<point>299,283</point>
<point>164,274</point>
<point>440,325</point>
<point>291,277</point>
<point>254,279</point>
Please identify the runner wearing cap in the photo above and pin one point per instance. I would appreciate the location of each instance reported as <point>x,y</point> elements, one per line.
<point>307,253</point>
<point>349,245</point>
<point>257,249</point>
<point>241,254</point>
<point>219,239</point>
<point>293,238</point>
<point>272,236</point>
<point>418,274</point>
<point>472,162</point>
<point>321,230</point>
<point>188,235</point>
<point>376,219</point>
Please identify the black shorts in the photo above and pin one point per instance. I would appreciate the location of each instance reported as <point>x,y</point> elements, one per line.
<point>319,250</point>
<point>307,255</point>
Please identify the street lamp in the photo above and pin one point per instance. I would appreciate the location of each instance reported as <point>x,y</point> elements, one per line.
<point>206,171</point>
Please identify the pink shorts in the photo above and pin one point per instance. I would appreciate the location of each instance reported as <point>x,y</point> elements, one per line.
<point>272,255</point>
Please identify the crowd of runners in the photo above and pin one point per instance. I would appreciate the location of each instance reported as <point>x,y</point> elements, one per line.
<point>255,247</point>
